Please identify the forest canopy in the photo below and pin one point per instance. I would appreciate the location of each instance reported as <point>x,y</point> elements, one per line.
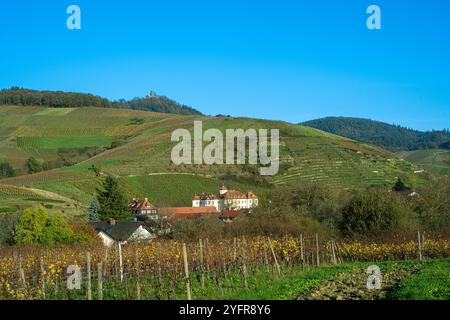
<point>59,99</point>
<point>391,137</point>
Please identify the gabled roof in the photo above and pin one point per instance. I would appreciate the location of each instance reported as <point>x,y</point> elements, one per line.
<point>121,231</point>
<point>137,204</point>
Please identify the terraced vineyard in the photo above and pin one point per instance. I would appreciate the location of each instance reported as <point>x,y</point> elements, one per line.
<point>142,159</point>
<point>433,160</point>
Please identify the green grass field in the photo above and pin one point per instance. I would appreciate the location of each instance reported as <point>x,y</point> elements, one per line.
<point>431,283</point>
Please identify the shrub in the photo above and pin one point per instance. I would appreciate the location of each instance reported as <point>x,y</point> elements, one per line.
<point>37,227</point>
<point>373,211</point>
<point>6,170</point>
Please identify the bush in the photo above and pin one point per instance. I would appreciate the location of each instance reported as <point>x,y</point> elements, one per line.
<point>34,165</point>
<point>6,170</point>
<point>432,205</point>
<point>37,227</point>
<point>8,223</point>
<point>371,212</point>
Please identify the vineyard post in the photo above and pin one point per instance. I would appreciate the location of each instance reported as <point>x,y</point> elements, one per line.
<point>202,276</point>
<point>317,250</point>
<point>333,248</point>
<point>420,245</point>
<point>235,249</point>
<point>105,267</point>
<point>333,253</point>
<point>186,273</point>
<point>120,261</point>
<point>42,277</point>
<point>22,275</point>
<point>423,244</point>
<point>207,255</point>
<point>302,252</point>
<point>158,252</point>
<point>89,285</point>
<point>274,257</point>
<point>100,281</point>
<point>244,265</point>
<point>138,276</point>
<point>266,258</point>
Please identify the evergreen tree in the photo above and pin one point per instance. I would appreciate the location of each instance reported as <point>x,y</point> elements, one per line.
<point>113,204</point>
<point>93,211</point>
<point>399,185</point>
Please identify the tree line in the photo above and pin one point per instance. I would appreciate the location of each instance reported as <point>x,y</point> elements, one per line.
<point>59,99</point>
<point>391,137</point>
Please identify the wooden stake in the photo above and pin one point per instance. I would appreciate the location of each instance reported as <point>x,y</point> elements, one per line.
<point>22,275</point>
<point>89,276</point>
<point>274,256</point>
<point>207,255</point>
<point>302,252</point>
<point>100,282</point>
<point>42,277</point>
<point>317,250</point>
<point>186,273</point>
<point>420,245</point>
<point>202,275</point>
<point>138,276</point>
<point>120,261</point>
<point>235,249</point>
<point>333,252</point>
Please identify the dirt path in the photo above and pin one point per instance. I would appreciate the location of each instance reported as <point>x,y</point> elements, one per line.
<point>52,195</point>
<point>353,285</point>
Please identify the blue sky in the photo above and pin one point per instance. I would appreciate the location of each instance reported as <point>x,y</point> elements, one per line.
<point>285,60</point>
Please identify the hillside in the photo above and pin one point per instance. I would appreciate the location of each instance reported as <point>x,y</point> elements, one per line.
<point>136,147</point>
<point>434,160</point>
<point>391,137</point>
<point>58,99</point>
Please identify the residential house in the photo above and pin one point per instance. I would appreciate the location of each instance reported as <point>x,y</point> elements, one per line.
<point>143,209</point>
<point>121,232</point>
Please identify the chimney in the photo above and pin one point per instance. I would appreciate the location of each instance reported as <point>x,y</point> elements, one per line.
<point>112,222</point>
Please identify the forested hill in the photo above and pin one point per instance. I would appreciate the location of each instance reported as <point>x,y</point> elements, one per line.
<point>385,135</point>
<point>59,99</point>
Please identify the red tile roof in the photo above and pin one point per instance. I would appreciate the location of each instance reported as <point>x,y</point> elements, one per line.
<point>189,212</point>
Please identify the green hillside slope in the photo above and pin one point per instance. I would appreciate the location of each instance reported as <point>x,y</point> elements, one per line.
<point>382,134</point>
<point>141,155</point>
<point>434,160</point>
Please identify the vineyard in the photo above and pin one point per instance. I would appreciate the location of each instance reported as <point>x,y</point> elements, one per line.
<point>68,142</point>
<point>222,269</point>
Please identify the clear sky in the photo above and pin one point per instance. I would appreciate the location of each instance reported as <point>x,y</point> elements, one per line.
<point>287,60</point>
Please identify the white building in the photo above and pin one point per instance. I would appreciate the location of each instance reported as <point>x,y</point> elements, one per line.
<point>226,200</point>
<point>122,232</point>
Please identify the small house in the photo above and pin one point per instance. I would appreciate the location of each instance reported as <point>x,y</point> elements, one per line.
<point>122,232</point>
<point>143,209</point>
